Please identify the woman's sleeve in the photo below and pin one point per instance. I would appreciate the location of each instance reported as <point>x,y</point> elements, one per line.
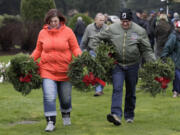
<point>38,50</point>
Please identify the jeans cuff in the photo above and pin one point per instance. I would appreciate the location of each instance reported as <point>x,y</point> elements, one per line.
<point>66,110</point>
<point>52,113</point>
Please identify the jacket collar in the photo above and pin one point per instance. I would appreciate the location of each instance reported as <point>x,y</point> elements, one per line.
<point>54,30</point>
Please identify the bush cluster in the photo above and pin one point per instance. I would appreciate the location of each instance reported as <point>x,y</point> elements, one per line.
<point>23,30</point>
<point>11,31</point>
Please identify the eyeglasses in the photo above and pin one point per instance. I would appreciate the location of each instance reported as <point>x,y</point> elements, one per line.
<point>125,21</point>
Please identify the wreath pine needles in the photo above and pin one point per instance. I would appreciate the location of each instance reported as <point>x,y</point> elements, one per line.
<point>81,66</point>
<point>106,56</point>
<point>151,70</point>
<point>100,66</point>
<point>23,74</point>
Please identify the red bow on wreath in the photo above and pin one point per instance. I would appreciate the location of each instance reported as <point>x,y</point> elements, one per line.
<point>163,80</point>
<point>27,78</point>
<point>91,79</point>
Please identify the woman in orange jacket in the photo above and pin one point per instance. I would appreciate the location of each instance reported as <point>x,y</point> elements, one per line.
<point>55,46</point>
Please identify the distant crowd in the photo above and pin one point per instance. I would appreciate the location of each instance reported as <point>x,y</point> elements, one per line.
<point>157,24</point>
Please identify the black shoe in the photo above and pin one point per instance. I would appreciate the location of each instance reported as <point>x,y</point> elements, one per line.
<point>113,118</point>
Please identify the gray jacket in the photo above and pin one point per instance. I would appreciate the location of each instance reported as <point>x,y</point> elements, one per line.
<point>130,44</point>
<point>91,30</point>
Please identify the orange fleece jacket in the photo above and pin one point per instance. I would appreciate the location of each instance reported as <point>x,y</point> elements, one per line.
<point>55,48</point>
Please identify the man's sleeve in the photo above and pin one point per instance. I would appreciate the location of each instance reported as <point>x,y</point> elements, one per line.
<point>103,35</point>
<point>85,39</point>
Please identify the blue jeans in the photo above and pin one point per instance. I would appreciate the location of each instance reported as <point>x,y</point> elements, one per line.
<point>176,82</point>
<point>129,74</point>
<point>99,88</point>
<point>50,90</point>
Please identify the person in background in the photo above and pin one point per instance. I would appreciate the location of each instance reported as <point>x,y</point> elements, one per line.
<point>175,19</point>
<point>161,11</point>
<point>79,29</point>
<point>131,42</point>
<point>56,44</point>
<point>86,43</point>
<point>138,18</point>
<point>162,31</point>
<point>172,49</point>
<point>106,18</point>
<point>151,19</point>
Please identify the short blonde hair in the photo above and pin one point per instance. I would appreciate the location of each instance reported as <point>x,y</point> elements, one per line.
<point>163,17</point>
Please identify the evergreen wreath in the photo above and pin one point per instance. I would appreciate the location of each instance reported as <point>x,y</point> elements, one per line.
<point>155,76</point>
<point>23,73</point>
<point>107,56</point>
<point>85,72</point>
<point>85,69</point>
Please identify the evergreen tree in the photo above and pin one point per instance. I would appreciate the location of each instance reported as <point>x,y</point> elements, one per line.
<point>32,13</point>
<point>35,10</point>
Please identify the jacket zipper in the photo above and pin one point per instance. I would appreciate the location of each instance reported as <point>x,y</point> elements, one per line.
<point>124,44</point>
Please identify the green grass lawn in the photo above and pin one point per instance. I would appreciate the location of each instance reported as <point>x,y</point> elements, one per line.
<point>154,116</point>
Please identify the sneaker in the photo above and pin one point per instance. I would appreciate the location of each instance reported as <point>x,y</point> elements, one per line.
<point>175,94</point>
<point>98,94</point>
<point>50,126</point>
<point>66,121</point>
<point>129,120</point>
<point>113,118</point>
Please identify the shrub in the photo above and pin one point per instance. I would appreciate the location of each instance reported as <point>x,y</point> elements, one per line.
<point>11,31</point>
<point>73,20</point>
<point>31,33</point>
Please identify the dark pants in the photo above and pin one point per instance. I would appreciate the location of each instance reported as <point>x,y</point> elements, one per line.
<point>176,82</point>
<point>130,75</point>
<point>79,38</point>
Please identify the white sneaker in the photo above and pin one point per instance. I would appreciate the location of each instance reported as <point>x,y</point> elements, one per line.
<point>66,121</point>
<point>175,94</point>
<point>129,120</point>
<point>50,126</point>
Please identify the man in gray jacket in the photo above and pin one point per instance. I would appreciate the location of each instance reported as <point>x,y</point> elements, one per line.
<point>131,42</point>
<point>86,43</point>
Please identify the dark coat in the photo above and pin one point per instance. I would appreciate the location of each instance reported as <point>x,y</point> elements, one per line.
<point>172,48</point>
<point>162,31</point>
<point>79,28</point>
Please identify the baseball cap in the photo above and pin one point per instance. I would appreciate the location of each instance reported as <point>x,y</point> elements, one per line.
<point>126,14</point>
<point>161,10</point>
